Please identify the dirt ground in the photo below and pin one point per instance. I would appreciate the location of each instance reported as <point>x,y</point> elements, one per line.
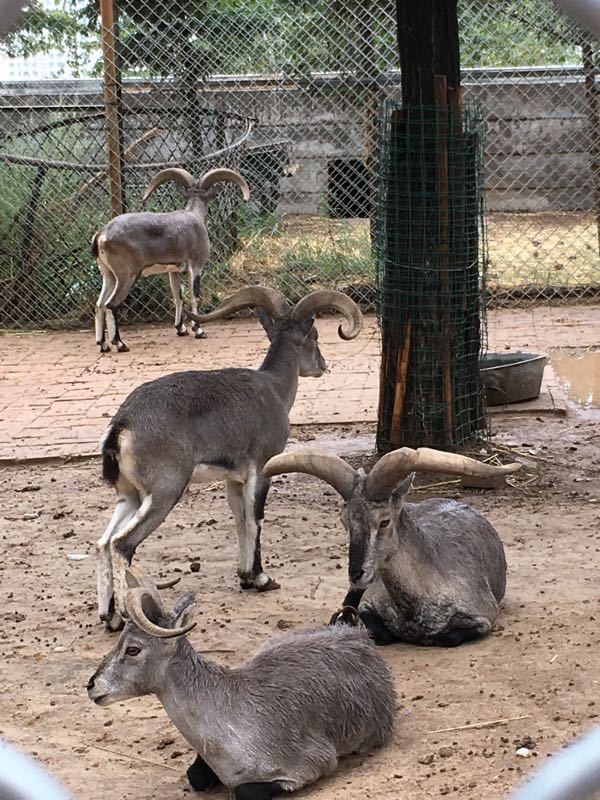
<point>539,666</point>
<point>526,248</point>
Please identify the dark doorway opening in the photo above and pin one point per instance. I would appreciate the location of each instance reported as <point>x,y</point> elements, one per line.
<point>347,188</point>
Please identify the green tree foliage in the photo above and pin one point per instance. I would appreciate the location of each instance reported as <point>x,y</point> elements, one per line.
<point>293,37</point>
<point>44,29</point>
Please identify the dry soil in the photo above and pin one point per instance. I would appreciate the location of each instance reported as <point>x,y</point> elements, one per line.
<point>538,669</point>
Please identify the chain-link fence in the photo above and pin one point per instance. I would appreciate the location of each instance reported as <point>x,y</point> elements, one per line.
<point>288,93</point>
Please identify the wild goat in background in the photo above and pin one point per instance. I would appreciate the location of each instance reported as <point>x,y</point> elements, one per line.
<point>148,243</point>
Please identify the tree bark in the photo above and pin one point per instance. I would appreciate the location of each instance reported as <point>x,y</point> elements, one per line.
<point>427,275</point>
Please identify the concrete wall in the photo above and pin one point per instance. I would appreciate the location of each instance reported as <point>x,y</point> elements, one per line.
<point>536,145</point>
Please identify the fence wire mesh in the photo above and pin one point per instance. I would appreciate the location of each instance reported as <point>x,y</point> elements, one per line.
<point>430,246</point>
<point>286,92</point>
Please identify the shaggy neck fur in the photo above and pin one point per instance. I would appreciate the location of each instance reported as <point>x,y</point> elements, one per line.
<point>194,693</point>
<point>196,205</point>
<point>282,362</point>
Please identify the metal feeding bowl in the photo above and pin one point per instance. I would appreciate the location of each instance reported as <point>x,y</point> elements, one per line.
<point>511,377</point>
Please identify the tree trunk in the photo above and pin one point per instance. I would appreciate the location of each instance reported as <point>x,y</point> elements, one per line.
<point>427,293</point>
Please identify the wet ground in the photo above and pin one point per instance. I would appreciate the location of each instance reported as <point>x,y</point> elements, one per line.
<point>579,373</point>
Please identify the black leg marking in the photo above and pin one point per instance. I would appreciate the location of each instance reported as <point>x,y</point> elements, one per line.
<point>201,776</point>
<point>260,500</point>
<point>121,346</point>
<point>353,597</point>
<point>257,563</point>
<point>104,346</point>
<point>376,627</point>
<point>196,287</point>
<point>259,791</point>
<point>348,614</point>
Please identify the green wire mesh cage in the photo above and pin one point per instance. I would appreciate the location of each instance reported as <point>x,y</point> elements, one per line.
<point>430,265</point>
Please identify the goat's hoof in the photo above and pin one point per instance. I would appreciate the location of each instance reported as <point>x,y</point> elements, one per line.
<point>122,348</point>
<point>104,348</point>
<point>200,335</point>
<point>267,586</point>
<point>183,331</point>
<point>345,616</point>
<point>113,622</point>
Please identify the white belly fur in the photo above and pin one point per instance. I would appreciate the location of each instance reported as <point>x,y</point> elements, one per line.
<point>158,269</point>
<point>207,473</point>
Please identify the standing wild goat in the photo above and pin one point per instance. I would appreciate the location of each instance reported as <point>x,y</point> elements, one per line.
<point>274,724</point>
<point>148,243</point>
<point>436,574</point>
<point>223,424</point>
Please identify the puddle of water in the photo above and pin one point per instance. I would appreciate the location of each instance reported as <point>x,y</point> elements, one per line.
<point>579,373</point>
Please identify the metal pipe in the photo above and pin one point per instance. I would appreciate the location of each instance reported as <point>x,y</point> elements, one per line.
<point>573,774</point>
<point>21,778</point>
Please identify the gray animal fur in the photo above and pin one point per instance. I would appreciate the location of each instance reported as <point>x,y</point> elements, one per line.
<point>205,426</point>
<point>146,243</point>
<point>431,572</point>
<point>440,567</point>
<point>304,700</point>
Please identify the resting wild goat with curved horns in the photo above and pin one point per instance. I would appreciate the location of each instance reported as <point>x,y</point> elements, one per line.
<point>431,572</point>
<point>267,727</point>
<point>148,243</point>
<point>222,424</point>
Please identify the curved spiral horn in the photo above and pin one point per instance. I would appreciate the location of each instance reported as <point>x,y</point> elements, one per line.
<point>135,577</point>
<point>177,174</point>
<point>330,468</point>
<point>134,605</point>
<point>394,466</point>
<point>222,174</point>
<point>250,297</point>
<point>324,300</point>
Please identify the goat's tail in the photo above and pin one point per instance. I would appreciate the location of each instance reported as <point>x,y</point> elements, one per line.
<point>110,451</point>
<point>95,244</point>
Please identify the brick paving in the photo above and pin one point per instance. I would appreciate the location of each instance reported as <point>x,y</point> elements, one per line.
<point>57,393</point>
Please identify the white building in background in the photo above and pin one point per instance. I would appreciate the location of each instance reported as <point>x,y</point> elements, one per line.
<point>38,67</point>
<point>44,66</point>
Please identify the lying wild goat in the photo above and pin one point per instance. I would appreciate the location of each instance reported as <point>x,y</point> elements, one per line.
<point>204,426</point>
<point>274,724</point>
<point>148,243</point>
<point>436,574</point>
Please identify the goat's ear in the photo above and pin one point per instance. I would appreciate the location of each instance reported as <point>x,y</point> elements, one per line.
<point>265,320</point>
<point>152,609</point>
<point>184,611</point>
<point>307,323</point>
<point>402,489</point>
<point>182,602</point>
<point>210,194</point>
<point>131,579</point>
